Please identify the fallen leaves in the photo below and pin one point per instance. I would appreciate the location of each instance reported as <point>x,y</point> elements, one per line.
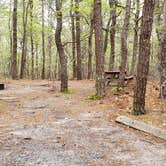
<point>123,103</point>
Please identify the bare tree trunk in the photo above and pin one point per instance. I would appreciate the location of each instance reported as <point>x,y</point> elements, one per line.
<point>50,39</point>
<point>14,45</point>
<point>43,42</point>
<point>59,68</point>
<point>73,40</point>
<point>55,71</point>
<point>144,57</point>
<point>24,40</point>
<point>124,50</point>
<point>90,53</point>
<point>49,55</point>
<point>37,61</point>
<point>100,81</point>
<point>78,42</point>
<point>28,71</point>
<point>135,42</point>
<point>162,63</point>
<point>161,33</point>
<point>106,36</point>
<point>63,59</point>
<point>32,43</point>
<point>10,36</point>
<point>112,34</point>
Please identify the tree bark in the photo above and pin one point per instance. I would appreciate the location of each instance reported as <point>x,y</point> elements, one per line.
<point>144,57</point>
<point>124,49</point>
<point>73,40</point>
<point>90,53</point>
<point>50,39</point>
<point>37,61</point>
<point>43,42</point>
<point>32,42</point>
<point>100,81</point>
<point>161,33</point>
<point>78,42</point>
<point>10,36</point>
<point>49,56</point>
<point>112,4</point>
<point>135,42</point>
<point>106,36</point>
<point>62,57</point>
<point>59,68</point>
<point>24,40</point>
<point>162,64</point>
<point>14,45</point>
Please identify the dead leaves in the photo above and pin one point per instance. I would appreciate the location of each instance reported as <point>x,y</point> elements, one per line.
<point>123,103</point>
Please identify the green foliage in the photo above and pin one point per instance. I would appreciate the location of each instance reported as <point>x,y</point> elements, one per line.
<point>85,9</point>
<point>94,97</point>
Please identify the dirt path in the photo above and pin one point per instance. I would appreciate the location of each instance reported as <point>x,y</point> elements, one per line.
<point>46,128</point>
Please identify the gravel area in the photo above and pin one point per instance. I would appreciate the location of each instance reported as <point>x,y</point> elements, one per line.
<point>39,127</point>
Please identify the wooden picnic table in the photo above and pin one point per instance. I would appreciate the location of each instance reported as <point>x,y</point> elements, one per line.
<point>114,75</point>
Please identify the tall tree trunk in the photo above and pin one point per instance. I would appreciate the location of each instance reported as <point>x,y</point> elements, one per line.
<point>162,63</point>
<point>124,50</point>
<point>59,68</point>
<point>90,53</point>
<point>62,57</point>
<point>135,42</point>
<point>106,36</point>
<point>43,42</point>
<point>37,61</point>
<point>100,81</point>
<point>112,4</point>
<point>78,42</point>
<point>28,71</point>
<point>50,39</point>
<point>49,56</point>
<point>161,33</point>
<point>14,45</point>
<point>73,40</point>
<point>55,71</point>
<point>144,57</point>
<point>10,36</point>
<point>24,40</point>
<point>32,43</point>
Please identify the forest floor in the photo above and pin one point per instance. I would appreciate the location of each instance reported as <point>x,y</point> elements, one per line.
<point>39,126</point>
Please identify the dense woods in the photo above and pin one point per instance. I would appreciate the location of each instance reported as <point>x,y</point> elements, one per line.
<point>83,39</point>
<point>83,82</point>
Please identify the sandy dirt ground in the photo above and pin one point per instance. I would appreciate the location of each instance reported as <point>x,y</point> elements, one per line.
<point>41,127</point>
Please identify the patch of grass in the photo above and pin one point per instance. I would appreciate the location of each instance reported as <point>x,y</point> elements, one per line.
<point>2,105</point>
<point>118,89</point>
<point>94,97</point>
<point>68,91</point>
